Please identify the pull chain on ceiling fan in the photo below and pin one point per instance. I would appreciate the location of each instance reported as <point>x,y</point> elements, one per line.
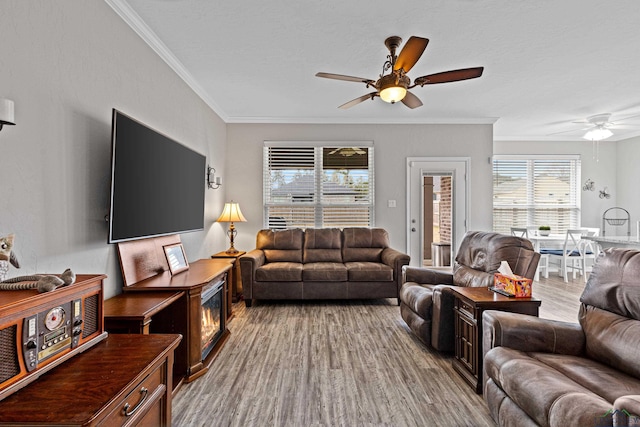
<point>394,87</point>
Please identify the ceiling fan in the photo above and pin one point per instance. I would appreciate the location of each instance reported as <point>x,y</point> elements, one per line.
<point>600,126</point>
<point>395,85</point>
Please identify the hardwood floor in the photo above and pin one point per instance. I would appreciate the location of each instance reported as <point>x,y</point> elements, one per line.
<point>339,363</point>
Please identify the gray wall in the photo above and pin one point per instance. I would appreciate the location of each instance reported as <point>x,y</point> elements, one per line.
<point>393,144</point>
<point>66,64</point>
<point>628,178</point>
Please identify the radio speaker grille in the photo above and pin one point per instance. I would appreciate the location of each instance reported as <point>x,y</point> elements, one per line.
<point>9,366</point>
<point>91,324</point>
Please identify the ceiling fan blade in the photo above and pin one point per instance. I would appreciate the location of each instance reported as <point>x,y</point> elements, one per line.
<point>358,100</point>
<point>624,119</point>
<point>449,76</point>
<point>411,101</point>
<point>410,53</point>
<point>570,131</point>
<point>345,78</point>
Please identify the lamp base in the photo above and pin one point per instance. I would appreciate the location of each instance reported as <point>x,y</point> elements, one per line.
<point>231,251</point>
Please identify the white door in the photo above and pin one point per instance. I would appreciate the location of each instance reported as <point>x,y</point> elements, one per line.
<point>419,167</point>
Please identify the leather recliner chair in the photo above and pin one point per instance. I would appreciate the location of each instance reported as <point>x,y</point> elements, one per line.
<point>552,373</point>
<point>426,298</point>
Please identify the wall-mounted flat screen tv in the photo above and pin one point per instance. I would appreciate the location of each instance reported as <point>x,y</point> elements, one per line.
<point>157,184</point>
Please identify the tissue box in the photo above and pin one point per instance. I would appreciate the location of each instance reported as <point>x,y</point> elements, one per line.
<point>518,286</point>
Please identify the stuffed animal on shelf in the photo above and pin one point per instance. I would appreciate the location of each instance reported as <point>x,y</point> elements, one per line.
<point>7,256</point>
<point>41,282</point>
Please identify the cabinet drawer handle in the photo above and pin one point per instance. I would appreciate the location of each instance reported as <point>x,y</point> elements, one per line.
<point>127,413</point>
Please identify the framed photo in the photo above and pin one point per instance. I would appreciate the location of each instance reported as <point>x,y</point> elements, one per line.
<point>176,258</point>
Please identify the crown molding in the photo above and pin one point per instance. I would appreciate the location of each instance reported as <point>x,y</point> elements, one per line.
<point>363,120</point>
<point>131,18</point>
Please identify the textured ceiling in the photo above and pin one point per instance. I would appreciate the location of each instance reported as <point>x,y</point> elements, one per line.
<point>547,62</point>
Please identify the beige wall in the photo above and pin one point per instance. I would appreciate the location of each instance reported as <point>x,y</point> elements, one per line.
<point>393,144</point>
<point>66,64</point>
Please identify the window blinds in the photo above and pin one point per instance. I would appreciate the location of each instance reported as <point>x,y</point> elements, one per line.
<point>318,186</point>
<point>534,191</point>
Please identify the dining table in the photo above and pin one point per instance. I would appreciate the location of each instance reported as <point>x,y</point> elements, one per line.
<point>550,241</point>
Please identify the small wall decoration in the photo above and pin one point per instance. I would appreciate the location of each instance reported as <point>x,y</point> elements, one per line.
<point>604,193</point>
<point>589,185</point>
<point>176,258</point>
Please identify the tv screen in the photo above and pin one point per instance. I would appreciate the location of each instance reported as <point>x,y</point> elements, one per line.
<point>157,184</point>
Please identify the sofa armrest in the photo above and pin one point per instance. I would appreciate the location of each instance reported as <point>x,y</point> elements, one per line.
<point>395,259</point>
<point>249,263</point>
<point>531,334</point>
<point>627,410</point>
<point>443,321</point>
<point>427,276</point>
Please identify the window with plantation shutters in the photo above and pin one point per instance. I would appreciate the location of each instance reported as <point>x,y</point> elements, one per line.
<point>535,191</point>
<point>317,185</point>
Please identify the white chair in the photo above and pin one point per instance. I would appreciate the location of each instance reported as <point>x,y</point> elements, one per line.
<point>590,250</point>
<point>543,264</point>
<point>573,253</point>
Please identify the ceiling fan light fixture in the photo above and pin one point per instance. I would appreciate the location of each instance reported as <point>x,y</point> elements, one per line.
<point>393,88</point>
<point>597,134</point>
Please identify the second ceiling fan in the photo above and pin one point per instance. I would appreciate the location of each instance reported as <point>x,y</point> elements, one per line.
<point>394,87</point>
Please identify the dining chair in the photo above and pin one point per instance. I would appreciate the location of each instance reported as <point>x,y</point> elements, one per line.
<point>573,254</point>
<point>543,264</point>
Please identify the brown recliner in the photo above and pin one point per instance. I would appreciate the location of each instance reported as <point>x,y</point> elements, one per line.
<point>551,373</point>
<point>426,299</point>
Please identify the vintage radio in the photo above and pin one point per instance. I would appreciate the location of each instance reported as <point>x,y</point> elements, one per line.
<point>39,331</point>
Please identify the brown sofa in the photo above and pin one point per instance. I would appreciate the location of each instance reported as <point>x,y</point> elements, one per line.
<point>325,263</point>
<point>550,373</point>
<point>426,299</point>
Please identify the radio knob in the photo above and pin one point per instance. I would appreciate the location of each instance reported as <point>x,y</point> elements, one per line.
<point>77,322</point>
<point>77,332</point>
<point>31,344</point>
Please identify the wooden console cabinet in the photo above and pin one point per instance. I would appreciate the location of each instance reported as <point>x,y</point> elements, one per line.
<point>469,305</point>
<point>123,380</point>
<point>145,270</point>
<point>186,317</point>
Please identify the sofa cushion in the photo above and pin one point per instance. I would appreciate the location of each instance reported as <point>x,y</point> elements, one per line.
<point>613,284</point>
<point>364,244</point>
<point>611,339</point>
<point>606,382</point>
<point>369,272</point>
<point>610,312</point>
<point>279,272</point>
<point>324,272</point>
<point>540,390</point>
<point>281,245</point>
<point>483,251</point>
<point>322,245</point>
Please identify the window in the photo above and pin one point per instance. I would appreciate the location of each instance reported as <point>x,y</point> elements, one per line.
<point>318,185</point>
<point>536,190</point>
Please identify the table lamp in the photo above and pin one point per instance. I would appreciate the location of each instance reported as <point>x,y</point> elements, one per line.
<point>231,213</point>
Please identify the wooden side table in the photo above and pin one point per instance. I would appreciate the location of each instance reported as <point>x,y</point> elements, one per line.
<point>132,313</point>
<point>235,278</point>
<point>469,305</point>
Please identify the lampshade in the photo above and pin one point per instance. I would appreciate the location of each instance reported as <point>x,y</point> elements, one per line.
<point>6,112</point>
<point>598,134</point>
<point>393,88</point>
<point>231,213</point>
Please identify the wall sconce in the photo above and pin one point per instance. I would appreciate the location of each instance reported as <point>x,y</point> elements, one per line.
<point>214,182</point>
<point>6,112</point>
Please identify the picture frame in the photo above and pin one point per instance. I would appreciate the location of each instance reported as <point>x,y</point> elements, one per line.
<point>176,258</point>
